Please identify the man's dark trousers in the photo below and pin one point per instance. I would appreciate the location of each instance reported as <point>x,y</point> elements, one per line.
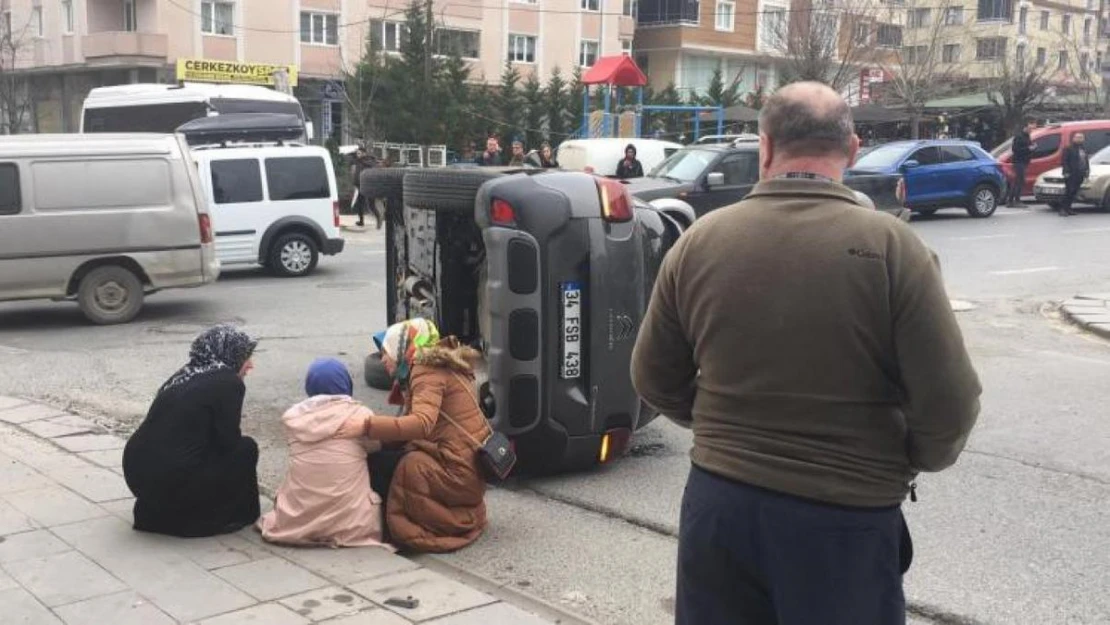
<point>1017,185</point>
<point>749,556</point>
<point>1071,190</point>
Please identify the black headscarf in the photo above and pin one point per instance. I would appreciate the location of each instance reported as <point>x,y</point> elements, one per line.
<point>218,348</point>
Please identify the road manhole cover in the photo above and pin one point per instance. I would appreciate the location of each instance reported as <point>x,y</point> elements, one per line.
<point>343,285</point>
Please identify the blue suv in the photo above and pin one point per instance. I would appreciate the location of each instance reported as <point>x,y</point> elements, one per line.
<point>940,174</point>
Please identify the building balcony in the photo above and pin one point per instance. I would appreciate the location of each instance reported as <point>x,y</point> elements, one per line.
<point>105,47</point>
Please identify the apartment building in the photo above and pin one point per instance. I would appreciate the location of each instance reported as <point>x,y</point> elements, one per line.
<point>67,47</point>
<point>684,41</point>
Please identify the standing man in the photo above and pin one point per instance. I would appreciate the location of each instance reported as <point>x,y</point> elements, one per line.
<point>492,156</point>
<point>1021,152</point>
<point>1076,169</point>
<point>810,345</point>
<point>517,158</point>
<point>363,160</point>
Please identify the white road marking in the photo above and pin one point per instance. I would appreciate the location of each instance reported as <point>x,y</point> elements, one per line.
<point>1014,272</point>
<point>982,237</point>
<point>1085,230</point>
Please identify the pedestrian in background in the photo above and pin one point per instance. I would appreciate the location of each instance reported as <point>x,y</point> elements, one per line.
<point>547,157</point>
<point>1021,151</point>
<point>630,166</point>
<point>492,156</point>
<point>517,157</point>
<point>810,424</point>
<point>1077,167</point>
<point>361,162</point>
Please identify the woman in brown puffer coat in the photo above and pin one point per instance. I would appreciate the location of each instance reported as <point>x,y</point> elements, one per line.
<point>435,498</point>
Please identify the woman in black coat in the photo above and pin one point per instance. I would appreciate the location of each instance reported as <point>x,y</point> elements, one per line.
<point>190,468</point>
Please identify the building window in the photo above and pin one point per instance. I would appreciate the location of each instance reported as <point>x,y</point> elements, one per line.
<point>626,47</point>
<point>5,25</point>
<point>889,36</point>
<point>950,53</point>
<point>996,10</point>
<point>36,22</point>
<point>1065,24</point>
<point>1062,63</point>
<point>591,5</point>
<point>522,48</point>
<point>67,17</point>
<point>387,36</point>
<point>772,27</point>
<point>1085,63</point>
<point>726,15</point>
<point>862,34</point>
<point>1042,57</point>
<point>918,18</point>
<point>1023,19</point>
<point>1044,19</point>
<point>466,44</point>
<point>1088,24</point>
<point>631,8</point>
<point>990,49</point>
<point>217,18</point>
<point>953,16</point>
<point>915,55</point>
<point>130,18</point>
<point>320,28</point>
<point>587,53</point>
<point>1020,65</point>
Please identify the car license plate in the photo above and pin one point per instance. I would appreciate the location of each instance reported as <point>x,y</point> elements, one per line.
<point>572,330</point>
<point>1051,191</point>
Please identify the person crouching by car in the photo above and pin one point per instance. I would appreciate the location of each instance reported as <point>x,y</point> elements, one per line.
<point>433,488</point>
<point>630,167</point>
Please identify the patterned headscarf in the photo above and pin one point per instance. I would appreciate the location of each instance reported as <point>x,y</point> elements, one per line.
<point>217,348</point>
<point>403,341</point>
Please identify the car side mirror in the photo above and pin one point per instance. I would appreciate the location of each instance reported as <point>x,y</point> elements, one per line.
<point>715,179</point>
<point>910,164</point>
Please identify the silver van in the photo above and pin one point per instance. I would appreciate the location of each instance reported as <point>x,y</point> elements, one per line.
<point>102,219</point>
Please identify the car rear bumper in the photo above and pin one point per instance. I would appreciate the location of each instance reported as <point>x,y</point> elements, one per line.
<point>332,247</point>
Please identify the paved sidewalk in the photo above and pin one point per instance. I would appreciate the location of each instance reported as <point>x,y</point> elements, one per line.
<point>68,554</point>
<point>1090,312</point>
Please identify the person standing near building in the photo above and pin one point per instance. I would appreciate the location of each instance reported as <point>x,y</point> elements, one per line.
<point>492,156</point>
<point>1076,169</point>
<point>1021,153</point>
<point>810,424</point>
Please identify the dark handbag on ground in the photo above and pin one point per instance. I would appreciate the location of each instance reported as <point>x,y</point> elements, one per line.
<point>495,455</point>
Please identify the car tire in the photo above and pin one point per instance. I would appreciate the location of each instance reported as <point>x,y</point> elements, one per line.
<point>446,190</point>
<point>983,201</point>
<point>294,255</point>
<point>381,182</point>
<point>109,295</point>
<point>1104,206</point>
<point>375,374</point>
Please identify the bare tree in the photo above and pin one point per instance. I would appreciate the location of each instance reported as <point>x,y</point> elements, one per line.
<point>15,96</point>
<point>1023,80</point>
<point>816,40</point>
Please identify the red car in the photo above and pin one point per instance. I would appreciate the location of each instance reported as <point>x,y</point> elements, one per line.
<point>1049,143</point>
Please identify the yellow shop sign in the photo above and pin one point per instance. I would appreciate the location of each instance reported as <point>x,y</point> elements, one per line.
<point>201,70</point>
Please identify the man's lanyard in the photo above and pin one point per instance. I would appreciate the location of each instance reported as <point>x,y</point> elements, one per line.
<point>804,175</point>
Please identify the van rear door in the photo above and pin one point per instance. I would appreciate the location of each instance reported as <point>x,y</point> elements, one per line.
<point>209,265</point>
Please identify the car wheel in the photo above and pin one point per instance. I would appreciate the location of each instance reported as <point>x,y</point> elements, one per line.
<point>294,255</point>
<point>446,190</point>
<point>1104,206</point>
<point>110,295</point>
<point>382,182</point>
<point>375,374</point>
<point>984,201</point>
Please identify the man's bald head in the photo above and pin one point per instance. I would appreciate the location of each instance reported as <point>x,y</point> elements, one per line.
<point>807,119</point>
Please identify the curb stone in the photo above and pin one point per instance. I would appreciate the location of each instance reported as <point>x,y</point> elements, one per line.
<point>1090,312</point>
<point>81,477</point>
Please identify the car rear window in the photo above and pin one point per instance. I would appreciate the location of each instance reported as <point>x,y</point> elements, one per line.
<point>297,178</point>
<point>10,202</point>
<point>236,181</point>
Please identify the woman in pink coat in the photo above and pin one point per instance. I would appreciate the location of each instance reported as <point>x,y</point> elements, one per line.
<point>326,498</point>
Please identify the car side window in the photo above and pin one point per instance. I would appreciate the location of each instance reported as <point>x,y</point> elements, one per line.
<point>1096,140</point>
<point>955,154</point>
<point>739,169</point>
<point>236,181</point>
<point>297,178</point>
<point>1047,145</point>
<point>11,202</point>
<point>926,156</point>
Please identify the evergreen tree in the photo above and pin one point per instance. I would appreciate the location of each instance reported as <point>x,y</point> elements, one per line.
<point>509,105</point>
<point>671,124</point>
<point>556,98</point>
<point>535,109</point>
<point>574,104</point>
<point>459,123</point>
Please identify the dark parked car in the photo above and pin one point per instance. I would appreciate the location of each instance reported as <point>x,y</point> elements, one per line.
<point>707,177</point>
<point>548,274</point>
<point>940,174</point>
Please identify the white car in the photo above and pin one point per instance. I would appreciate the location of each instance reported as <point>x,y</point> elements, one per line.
<point>271,205</point>
<point>601,156</point>
<point>1049,187</point>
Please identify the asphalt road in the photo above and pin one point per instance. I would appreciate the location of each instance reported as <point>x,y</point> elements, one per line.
<point>1016,533</point>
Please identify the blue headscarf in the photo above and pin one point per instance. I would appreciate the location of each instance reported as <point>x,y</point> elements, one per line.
<point>328,376</point>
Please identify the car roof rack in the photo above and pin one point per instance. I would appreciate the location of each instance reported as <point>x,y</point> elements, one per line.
<point>240,128</point>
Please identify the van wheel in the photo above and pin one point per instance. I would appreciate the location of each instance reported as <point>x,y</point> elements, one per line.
<point>373,371</point>
<point>294,255</point>
<point>109,295</point>
<point>983,201</point>
<point>381,182</point>
<point>446,190</point>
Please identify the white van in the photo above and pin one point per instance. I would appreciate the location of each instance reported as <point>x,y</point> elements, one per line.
<point>603,155</point>
<point>101,219</point>
<point>272,205</point>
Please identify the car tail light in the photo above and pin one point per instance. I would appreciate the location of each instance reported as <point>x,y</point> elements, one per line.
<point>205,223</point>
<point>613,444</point>
<point>501,213</point>
<point>616,203</point>
<point>335,212</point>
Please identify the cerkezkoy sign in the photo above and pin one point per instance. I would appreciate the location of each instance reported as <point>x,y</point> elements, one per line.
<point>200,70</point>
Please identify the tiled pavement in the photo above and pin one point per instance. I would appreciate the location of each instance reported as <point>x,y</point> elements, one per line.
<point>68,554</point>
<point>1090,311</point>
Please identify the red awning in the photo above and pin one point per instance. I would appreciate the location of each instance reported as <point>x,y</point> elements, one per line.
<point>619,71</point>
